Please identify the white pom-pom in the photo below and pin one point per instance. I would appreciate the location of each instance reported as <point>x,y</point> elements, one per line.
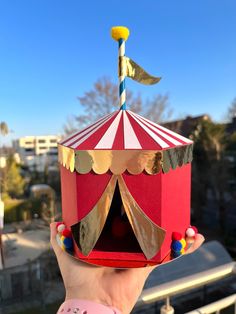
<point>61,227</point>
<point>190,232</point>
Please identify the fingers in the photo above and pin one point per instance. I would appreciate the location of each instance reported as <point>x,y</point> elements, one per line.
<point>53,234</point>
<point>193,245</point>
<point>61,255</point>
<point>53,239</point>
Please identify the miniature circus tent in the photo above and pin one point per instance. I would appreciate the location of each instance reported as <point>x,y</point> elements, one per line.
<point>151,166</point>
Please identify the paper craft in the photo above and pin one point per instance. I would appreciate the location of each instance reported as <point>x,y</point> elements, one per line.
<point>125,184</point>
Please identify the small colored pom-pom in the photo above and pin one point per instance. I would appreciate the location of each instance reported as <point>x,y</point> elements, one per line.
<point>183,242</point>
<point>195,229</point>
<point>176,236</point>
<point>68,242</point>
<point>176,246</point>
<point>61,227</point>
<point>66,233</point>
<point>62,238</point>
<point>70,251</point>
<point>58,224</point>
<point>118,32</point>
<point>190,232</point>
<point>176,254</point>
<point>182,251</point>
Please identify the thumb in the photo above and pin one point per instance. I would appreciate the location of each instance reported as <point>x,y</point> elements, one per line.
<point>199,239</point>
<point>53,239</point>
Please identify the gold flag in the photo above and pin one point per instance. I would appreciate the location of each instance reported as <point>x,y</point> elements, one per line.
<point>127,67</point>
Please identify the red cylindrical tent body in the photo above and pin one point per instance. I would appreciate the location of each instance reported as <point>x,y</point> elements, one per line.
<point>143,164</point>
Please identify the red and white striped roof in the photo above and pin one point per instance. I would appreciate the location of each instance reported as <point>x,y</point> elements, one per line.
<point>124,129</point>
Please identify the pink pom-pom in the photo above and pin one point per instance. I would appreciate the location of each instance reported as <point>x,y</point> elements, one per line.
<point>61,227</point>
<point>58,224</point>
<point>195,229</point>
<point>66,233</point>
<point>190,232</point>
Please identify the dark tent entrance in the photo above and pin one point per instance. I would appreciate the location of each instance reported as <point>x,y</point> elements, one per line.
<point>117,234</point>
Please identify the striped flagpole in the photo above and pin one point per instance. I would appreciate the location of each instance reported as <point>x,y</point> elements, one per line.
<point>121,34</point>
<point>122,91</point>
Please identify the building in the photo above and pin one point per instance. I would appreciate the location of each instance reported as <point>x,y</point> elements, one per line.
<point>187,125</point>
<point>37,152</point>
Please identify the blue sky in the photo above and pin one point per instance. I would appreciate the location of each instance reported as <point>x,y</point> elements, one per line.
<point>53,51</point>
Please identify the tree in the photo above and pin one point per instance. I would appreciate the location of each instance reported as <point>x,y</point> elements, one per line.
<point>3,131</point>
<point>13,183</point>
<point>103,98</point>
<point>232,110</point>
<point>4,128</point>
<point>231,156</point>
<point>209,165</point>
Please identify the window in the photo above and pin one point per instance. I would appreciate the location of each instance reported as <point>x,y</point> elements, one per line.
<point>41,141</point>
<point>52,153</point>
<point>53,141</point>
<point>29,150</point>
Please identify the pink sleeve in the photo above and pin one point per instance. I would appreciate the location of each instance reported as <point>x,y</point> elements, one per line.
<point>76,306</point>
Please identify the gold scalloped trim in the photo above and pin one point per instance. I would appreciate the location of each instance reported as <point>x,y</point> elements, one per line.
<point>66,157</point>
<point>118,161</point>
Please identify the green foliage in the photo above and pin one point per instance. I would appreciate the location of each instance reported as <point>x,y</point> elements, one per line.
<point>232,109</point>
<point>209,141</point>
<point>210,168</point>
<point>13,182</point>
<point>3,128</point>
<point>18,210</point>
<point>231,154</point>
<point>231,142</point>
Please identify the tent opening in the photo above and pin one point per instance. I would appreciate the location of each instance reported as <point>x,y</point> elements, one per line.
<point>117,234</point>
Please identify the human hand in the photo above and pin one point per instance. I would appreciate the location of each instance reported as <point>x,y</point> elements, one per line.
<point>118,288</point>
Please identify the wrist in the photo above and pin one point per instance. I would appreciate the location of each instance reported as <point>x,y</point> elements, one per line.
<point>81,294</point>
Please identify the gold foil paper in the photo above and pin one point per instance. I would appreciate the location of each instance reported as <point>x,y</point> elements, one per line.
<point>177,157</point>
<point>87,231</point>
<point>83,161</point>
<point>66,156</point>
<point>127,67</point>
<point>149,236</point>
<point>118,161</point>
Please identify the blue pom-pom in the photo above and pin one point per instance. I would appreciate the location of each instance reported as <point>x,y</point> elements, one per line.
<point>68,242</point>
<point>176,246</point>
<point>176,254</point>
<point>70,251</point>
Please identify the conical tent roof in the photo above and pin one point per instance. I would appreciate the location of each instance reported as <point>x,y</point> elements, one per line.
<point>122,130</point>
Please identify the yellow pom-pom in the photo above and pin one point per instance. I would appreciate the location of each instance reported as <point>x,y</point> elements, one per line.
<point>62,239</point>
<point>118,32</point>
<point>62,244</point>
<point>183,242</point>
<point>182,251</point>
